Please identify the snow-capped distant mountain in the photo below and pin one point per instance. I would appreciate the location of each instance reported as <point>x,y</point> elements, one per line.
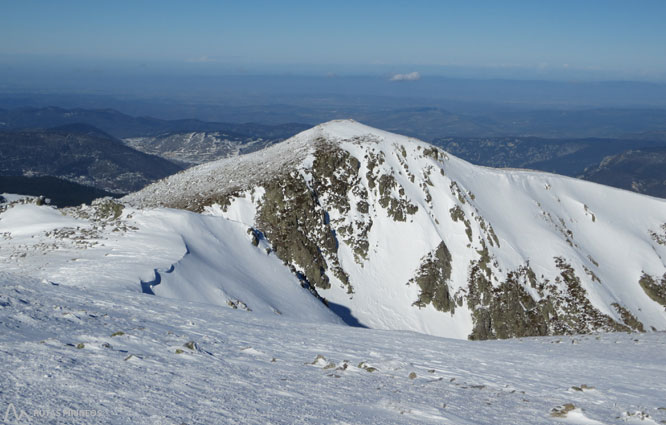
<point>401,235</point>
<point>193,148</point>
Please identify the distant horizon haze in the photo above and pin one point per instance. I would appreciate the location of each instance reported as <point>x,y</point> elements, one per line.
<point>593,40</point>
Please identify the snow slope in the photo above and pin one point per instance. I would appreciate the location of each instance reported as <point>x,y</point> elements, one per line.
<point>529,253</point>
<point>124,358</point>
<point>170,253</point>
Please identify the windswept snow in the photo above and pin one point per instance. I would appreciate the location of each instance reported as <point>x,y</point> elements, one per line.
<point>12,197</point>
<point>28,219</point>
<point>194,257</point>
<point>138,359</point>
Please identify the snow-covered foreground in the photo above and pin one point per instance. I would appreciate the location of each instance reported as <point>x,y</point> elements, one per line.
<point>135,358</point>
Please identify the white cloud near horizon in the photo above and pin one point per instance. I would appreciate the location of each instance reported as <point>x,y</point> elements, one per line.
<point>412,76</point>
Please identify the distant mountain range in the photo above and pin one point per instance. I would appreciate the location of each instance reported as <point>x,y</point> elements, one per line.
<point>122,126</point>
<point>629,164</point>
<point>81,154</point>
<point>640,170</point>
<point>183,143</point>
<point>84,147</point>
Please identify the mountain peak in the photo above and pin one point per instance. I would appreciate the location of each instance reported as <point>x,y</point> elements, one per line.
<point>344,127</point>
<point>464,251</point>
<point>196,186</point>
<point>349,129</point>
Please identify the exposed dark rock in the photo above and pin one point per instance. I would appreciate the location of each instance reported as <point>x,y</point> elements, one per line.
<point>508,310</point>
<point>295,224</point>
<point>653,288</point>
<point>433,277</point>
<point>457,214</point>
<point>108,209</point>
<point>659,236</point>
<point>399,207</point>
<point>628,318</point>
<point>335,174</point>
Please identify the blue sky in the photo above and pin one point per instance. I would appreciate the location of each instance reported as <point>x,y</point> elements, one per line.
<point>606,39</point>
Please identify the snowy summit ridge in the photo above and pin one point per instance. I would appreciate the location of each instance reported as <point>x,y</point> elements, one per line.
<point>247,170</point>
<point>406,236</point>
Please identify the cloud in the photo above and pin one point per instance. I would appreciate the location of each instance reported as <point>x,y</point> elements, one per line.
<point>412,76</point>
<point>213,59</point>
<point>201,59</point>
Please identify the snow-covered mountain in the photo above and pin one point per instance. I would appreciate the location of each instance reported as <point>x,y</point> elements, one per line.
<point>197,147</point>
<point>397,234</point>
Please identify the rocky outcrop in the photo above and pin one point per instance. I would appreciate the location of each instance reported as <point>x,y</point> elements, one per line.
<point>433,277</point>
<point>654,289</point>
